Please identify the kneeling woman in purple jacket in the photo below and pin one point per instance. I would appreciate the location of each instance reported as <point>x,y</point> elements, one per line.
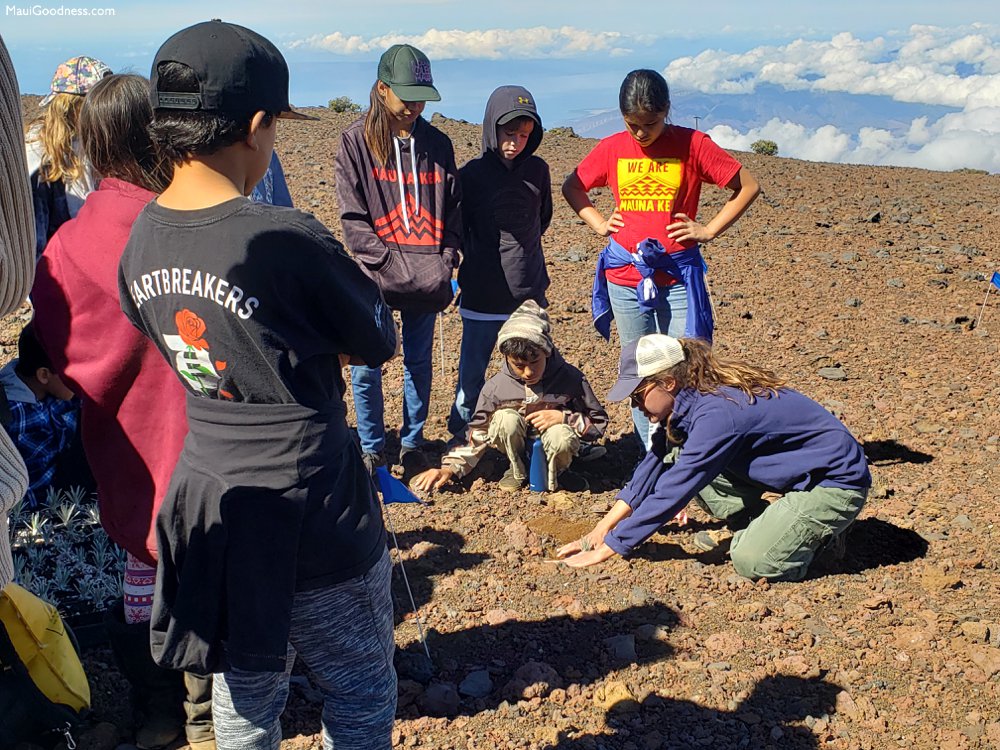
<point>784,473</point>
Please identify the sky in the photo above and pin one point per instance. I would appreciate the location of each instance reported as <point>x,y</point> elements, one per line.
<point>903,83</point>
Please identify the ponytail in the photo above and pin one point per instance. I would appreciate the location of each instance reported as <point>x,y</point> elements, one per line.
<point>706,373</point>
<point>644,91</point>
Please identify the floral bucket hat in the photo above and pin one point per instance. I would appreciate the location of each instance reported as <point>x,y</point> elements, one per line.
<point>78,75</point>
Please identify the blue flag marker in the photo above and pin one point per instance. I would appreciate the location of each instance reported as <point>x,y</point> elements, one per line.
<point>392,490</point>
<point>996,279</point>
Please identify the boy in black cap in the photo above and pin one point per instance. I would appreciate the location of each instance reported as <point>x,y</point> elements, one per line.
<point>506,210</point>
<point>271,540</point>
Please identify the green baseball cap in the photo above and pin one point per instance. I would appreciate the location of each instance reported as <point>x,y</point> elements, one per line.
<point>407,71</point>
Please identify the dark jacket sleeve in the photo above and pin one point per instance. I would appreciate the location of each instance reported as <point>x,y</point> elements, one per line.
<point>355,217</point>
<point>452,240</point>
<point>589,419</point>
<point>546,187</point>
<point>351,302</point>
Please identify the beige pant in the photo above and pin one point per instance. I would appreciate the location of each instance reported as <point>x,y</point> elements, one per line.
<point>508,433</point>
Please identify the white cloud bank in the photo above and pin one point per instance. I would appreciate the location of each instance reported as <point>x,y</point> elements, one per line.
<point>486,44</point>
<point>955,67</point>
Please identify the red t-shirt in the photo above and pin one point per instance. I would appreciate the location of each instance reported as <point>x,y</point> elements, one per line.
<point>651,185</point>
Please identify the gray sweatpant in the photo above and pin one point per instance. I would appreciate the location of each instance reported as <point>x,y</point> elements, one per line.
<point>344,634</point>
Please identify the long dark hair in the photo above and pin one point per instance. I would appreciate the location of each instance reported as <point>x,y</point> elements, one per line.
<point>113,127</point>
<point>378,133</point>
<point>644,91</point>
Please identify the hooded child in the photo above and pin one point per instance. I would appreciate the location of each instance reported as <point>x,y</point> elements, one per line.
<point>507,207</point>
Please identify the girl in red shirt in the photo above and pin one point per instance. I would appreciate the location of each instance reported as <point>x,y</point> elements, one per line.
<point>650,277</point>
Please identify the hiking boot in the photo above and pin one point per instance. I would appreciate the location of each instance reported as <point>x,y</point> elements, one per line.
<point>712,541</point>
<point>510,482</point>
<point>157,694</point>
<point>589,452</point>
<point>413,462</point>
<point>199,727</point>
<point>836,546</point>
<point>372,461</point>
<point>572,482</point>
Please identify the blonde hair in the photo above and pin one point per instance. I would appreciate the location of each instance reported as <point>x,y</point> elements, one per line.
<point>59,125</point>
<point>706,373</point>
<point>378,133</point>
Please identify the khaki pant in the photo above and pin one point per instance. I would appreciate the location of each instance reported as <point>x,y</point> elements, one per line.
<point>508,432</point>
<point>779,540</point>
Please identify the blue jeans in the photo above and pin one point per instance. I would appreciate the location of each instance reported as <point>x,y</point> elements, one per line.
<point>369,404</point>
<point>478,339</point>
<point>669,317</point>
<point>344,634</point>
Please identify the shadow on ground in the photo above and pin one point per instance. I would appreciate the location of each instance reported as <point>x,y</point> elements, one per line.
<point>764,720</point>
<point>889,452</point>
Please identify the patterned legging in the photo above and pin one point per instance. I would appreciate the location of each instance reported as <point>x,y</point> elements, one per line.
<point>344,634</point>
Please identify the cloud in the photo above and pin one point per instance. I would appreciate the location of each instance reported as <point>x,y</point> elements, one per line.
<point>962,139</point>
<point>954,67</point>
<point>488,44</point>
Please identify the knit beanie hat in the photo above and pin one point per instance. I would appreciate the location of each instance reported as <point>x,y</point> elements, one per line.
<point>529,322</point>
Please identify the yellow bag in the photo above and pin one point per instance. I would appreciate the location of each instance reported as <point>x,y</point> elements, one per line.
<point>43,687</point>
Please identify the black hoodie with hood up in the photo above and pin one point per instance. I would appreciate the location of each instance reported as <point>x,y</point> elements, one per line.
<point>507,206</point>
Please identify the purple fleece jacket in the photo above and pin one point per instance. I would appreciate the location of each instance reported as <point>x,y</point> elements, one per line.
<point>784,443</point>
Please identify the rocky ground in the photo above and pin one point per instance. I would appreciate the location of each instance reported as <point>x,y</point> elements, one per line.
<point>862,286</point>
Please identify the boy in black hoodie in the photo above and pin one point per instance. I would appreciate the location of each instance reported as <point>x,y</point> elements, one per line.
<point>506,209</point>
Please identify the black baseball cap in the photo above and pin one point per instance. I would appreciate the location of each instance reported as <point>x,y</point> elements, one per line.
<point>407,71</point>
<point>238,72</point>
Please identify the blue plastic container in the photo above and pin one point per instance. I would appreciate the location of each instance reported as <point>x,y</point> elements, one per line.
<point>538,469</point>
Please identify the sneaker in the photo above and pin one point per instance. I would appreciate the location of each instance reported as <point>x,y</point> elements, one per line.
<point>589,452</point>
<point>572,482</point>
<point>711,541</point>
<point>510,482</point>
<point>836,546</point>
<point>372,461</point>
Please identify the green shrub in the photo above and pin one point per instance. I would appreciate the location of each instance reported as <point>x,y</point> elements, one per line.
<point>344,104</point>
<point>765,148</point>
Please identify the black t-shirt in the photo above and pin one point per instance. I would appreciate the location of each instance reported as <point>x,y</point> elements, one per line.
<point>251,302</point>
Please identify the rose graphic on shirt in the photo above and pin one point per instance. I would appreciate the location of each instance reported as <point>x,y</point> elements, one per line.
<point>192,361</point>
<point>191,329</point>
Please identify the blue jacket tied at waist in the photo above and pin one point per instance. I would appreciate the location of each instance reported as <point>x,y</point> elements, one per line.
<point>687,266</point>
